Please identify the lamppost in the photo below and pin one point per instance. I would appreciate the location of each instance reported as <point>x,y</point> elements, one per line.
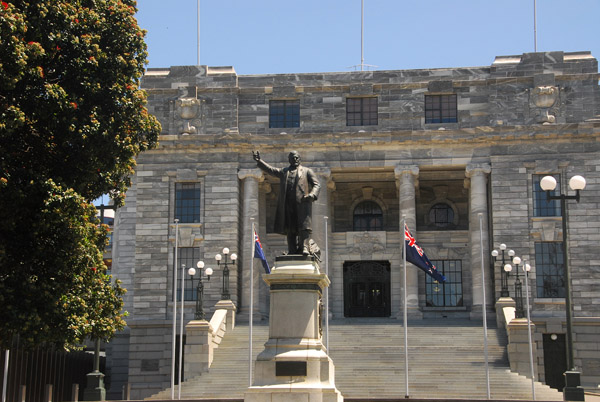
<point>572,390</point>
<point>503,270</point>
<point>199,314</point>
<point>225,293</point>
<point>95,389</point>
<point>520,312</point>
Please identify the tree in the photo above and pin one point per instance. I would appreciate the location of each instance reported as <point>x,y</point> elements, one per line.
<point>72,121</point>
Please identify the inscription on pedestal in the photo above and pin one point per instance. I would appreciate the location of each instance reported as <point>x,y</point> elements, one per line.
<point>287,369</point>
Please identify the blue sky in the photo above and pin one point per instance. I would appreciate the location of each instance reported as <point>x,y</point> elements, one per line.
<point>283,36</point>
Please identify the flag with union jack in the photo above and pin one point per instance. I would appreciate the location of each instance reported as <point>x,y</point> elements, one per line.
<point>259,253</point>
<point>416,256</point>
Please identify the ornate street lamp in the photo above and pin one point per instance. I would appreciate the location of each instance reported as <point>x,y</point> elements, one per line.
<point>503,272</point>
<point>572,390</point>
<point>225,293</point>
<point>199,315</point>
<point>520,312</point>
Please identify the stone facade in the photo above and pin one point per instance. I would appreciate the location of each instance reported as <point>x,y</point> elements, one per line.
<point>525,115</point>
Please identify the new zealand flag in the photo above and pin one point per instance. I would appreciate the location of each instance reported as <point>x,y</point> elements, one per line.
<point>416,256</point>
<point>258,253</point>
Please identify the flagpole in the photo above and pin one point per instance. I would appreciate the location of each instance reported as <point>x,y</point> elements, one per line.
<point>5,377</point>
<point>181,330</point>
<point>174,311</point>
<point>198,31</point>
<point>529,328</point>
<point>405,312</point>
<point>484,307</point>
<point>250,327</point>
<point>327,288</point>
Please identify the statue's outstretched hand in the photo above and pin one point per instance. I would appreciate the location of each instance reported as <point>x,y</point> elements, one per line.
<point>256,155</point>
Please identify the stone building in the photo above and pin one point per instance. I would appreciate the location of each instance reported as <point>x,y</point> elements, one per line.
<point>441,147</point>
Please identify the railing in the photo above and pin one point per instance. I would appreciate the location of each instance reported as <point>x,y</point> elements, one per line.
<point>45,374</point>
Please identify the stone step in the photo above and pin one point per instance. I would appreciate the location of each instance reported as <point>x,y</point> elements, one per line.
<point>444,362</point>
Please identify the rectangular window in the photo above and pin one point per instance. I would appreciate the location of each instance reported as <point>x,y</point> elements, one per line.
<point>361,111</point>
<point>550,273</point>
<point>440,109</point>
<point>284,113</point>
<point>187,258</point>
<point>449,293</point>
<point>541,205</point>
<point>187,202</point>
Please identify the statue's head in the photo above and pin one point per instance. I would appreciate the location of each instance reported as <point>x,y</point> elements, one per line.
<point>294,158</point>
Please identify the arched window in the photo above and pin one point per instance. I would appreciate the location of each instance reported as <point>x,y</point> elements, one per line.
<point>368,216</point>
<point>441,215</point>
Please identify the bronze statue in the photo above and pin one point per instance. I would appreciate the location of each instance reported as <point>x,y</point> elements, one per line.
<point>298,188</point>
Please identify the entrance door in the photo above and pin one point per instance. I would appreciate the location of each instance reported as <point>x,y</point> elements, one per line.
<point>555,360</point>
<point>367,289</point>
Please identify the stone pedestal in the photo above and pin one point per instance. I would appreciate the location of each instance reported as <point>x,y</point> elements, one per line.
<point>94,391</point>
<point>294,366</point>
<point>231,309</point>
<point>198,348</point>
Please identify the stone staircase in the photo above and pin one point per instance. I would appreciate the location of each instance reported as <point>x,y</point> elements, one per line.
<point>446,360</point>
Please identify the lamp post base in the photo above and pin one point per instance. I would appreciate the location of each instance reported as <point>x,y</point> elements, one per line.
<point>573,391</point>
<point>95,390</point>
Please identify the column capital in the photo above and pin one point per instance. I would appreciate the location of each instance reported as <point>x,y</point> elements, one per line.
<point>251,173</point>
<point>325,173</point>
<point>406,169</point>
<point>477,168</point>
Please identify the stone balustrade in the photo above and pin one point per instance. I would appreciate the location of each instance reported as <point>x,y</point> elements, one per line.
<point>203,337</point>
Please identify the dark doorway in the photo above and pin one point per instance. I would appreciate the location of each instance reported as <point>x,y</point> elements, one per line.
<point>367,289</point>
<point>555,360</point>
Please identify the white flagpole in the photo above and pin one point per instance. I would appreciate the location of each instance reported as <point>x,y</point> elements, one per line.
<point>534,26</point>
<point>405,313</point>
<point>250,327</point>
<point>5,380</point>
<point>484,307</point>
<point>198,31</point>
<point>181,330</point>
<point>326,289</point>
<point>174,311</point>
<point>529,328</point>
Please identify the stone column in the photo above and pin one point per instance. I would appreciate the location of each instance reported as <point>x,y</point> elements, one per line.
<point>250,179</point>
<point>478,204</point>
<point>320,211</point>
<point>407,176</point>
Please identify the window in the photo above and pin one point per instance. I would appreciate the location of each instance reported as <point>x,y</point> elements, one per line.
<point>187,202</point>
<point>550,273</point>
<point>361,111</point>
<point>368,216</point>
<point>284,113</point>
<point>441,215</point>
<point>541,205</point>
<point>449,293</point>
<point>440,109</point>
<point>188,257</point>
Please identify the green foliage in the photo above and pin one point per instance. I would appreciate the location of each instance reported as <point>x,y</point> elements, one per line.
<point>72,121</point>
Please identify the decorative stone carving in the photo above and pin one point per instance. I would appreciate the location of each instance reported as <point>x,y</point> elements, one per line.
<point>367,243</point>
<point>188,109</point>
<point>545,98</point>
